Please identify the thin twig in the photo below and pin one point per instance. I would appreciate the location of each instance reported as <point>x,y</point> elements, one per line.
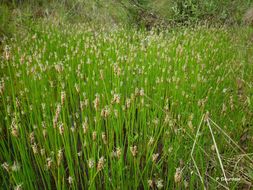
<point>246,155</point>
<point>217,151</point>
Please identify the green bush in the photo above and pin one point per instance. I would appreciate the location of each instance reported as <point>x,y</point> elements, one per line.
<point>225,12</point>
<point>146,13</point>
<point>5,16</point>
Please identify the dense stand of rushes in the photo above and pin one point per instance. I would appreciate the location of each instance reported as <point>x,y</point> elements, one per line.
<point>115,109</point>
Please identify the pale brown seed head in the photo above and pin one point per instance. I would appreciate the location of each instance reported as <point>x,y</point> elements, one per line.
<point>94,135</point>
<point>155,157</point>
<point>178,175</point>
<point>134,150</point>
<point>101,163</point>
<point>104,138</point>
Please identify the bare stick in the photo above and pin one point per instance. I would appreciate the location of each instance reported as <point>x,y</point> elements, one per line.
<point>217,151</point>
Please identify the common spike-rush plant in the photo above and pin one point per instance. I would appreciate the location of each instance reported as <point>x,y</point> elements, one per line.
<point>115,109</point>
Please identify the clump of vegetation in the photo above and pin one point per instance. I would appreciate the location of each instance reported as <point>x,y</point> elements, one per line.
<point>5,17</point>
<point>162,13</point>
<point>119,109</point>
<point>130,94</point>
